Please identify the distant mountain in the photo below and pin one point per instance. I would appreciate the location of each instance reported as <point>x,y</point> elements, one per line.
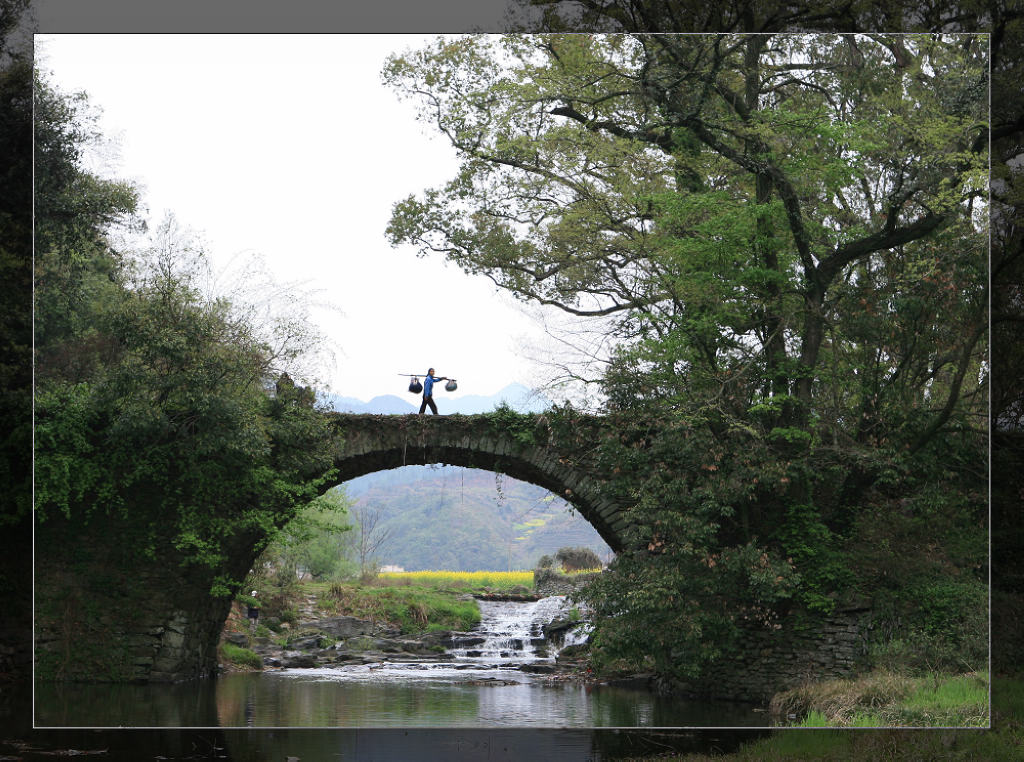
<point>516,396</point>
<point>389,404</point>
<point>344,404</point>
<point>460,519</point>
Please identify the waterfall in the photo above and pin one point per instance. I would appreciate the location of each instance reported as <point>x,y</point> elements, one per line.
<point>510,631</point>
<point>578,634</point>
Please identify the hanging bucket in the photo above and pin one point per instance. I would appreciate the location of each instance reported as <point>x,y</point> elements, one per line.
<point>451,386</point>
<point>415,386</point>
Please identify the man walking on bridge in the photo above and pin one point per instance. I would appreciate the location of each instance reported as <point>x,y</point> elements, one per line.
<point>428,391</point>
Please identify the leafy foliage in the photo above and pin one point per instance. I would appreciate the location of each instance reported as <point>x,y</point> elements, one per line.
<point>16,276</point>
<point>519,426</point>
<point>155,402</point>
<point>315,541</point>
<point>784,235</point>
<point>576,558</point>
<point>241,656</point>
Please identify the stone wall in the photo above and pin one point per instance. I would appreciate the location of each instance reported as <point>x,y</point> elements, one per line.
<point>769,662</point>
<point>104,614</point>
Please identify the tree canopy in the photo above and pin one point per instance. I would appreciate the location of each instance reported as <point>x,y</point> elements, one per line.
<point>785,236</point>
<point>735,192</point>
<point>159,405</point>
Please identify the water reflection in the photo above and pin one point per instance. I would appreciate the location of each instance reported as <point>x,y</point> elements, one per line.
<point>425,745</point>
<point>494,745</point>
<point>383,699</point>
<point>196,705</point>
<point>179,705</point>
<point>290,701</point>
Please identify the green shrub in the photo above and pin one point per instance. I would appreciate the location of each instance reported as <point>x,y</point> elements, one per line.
<point>814,719</point>
<point>932,625</point>
<point>241,656</point>
<point>272,623</point>
<point>573,559</point>
<point>291,616</point>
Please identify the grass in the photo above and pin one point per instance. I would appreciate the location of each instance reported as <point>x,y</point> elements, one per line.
<point>415,602</point>
<point>241,657</point>
<point>887,699</point>
<point>413,609</point>
<point>814,719</point>
<point>1005,740</point>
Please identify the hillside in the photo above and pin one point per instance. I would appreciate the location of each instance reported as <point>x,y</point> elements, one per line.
<point>444,517</point>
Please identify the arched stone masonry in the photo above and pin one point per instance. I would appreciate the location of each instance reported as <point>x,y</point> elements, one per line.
<point>379,442</point>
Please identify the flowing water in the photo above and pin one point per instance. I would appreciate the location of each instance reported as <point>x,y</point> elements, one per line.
<point>480,684</point>
<point>511,632</point>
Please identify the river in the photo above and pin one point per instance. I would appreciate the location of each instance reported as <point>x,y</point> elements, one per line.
<point>494,679</point>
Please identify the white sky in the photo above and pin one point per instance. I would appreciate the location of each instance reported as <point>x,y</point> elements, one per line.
<point>290,147</point>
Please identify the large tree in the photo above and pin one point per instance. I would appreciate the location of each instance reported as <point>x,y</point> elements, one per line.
<point>785,235</point>
<point>170,441</point>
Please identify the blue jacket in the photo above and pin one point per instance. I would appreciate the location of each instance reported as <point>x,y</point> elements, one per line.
<point>428,386</point>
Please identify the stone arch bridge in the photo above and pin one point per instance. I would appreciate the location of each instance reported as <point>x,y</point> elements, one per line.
<point>158,621</point>
<point>525,447</point>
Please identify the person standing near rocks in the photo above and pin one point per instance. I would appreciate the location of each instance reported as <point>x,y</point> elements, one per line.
<point>428,391</point>
<point>254,612</point>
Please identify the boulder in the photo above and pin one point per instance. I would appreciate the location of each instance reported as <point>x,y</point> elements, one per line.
<point>341,626</point>
<point>556,629</point>
<point>438,638</point>
<point>572,653</point>
<point>294,660</point>
<point>417,647</point>
<point>305,642</point>
<point>237,638</point>
<point>460,640</point>
<point>539,669</point>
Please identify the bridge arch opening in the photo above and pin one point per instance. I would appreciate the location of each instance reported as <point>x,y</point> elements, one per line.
<point>374,443</point>
<point>441,516</point>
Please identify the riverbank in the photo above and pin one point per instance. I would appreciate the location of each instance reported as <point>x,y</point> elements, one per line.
<point>419,618</point>
<point>887,699</point>
<point>430,619</point>
<point>1003,739</point>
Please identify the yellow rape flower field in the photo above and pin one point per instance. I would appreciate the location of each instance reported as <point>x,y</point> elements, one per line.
<point>443,578</point>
